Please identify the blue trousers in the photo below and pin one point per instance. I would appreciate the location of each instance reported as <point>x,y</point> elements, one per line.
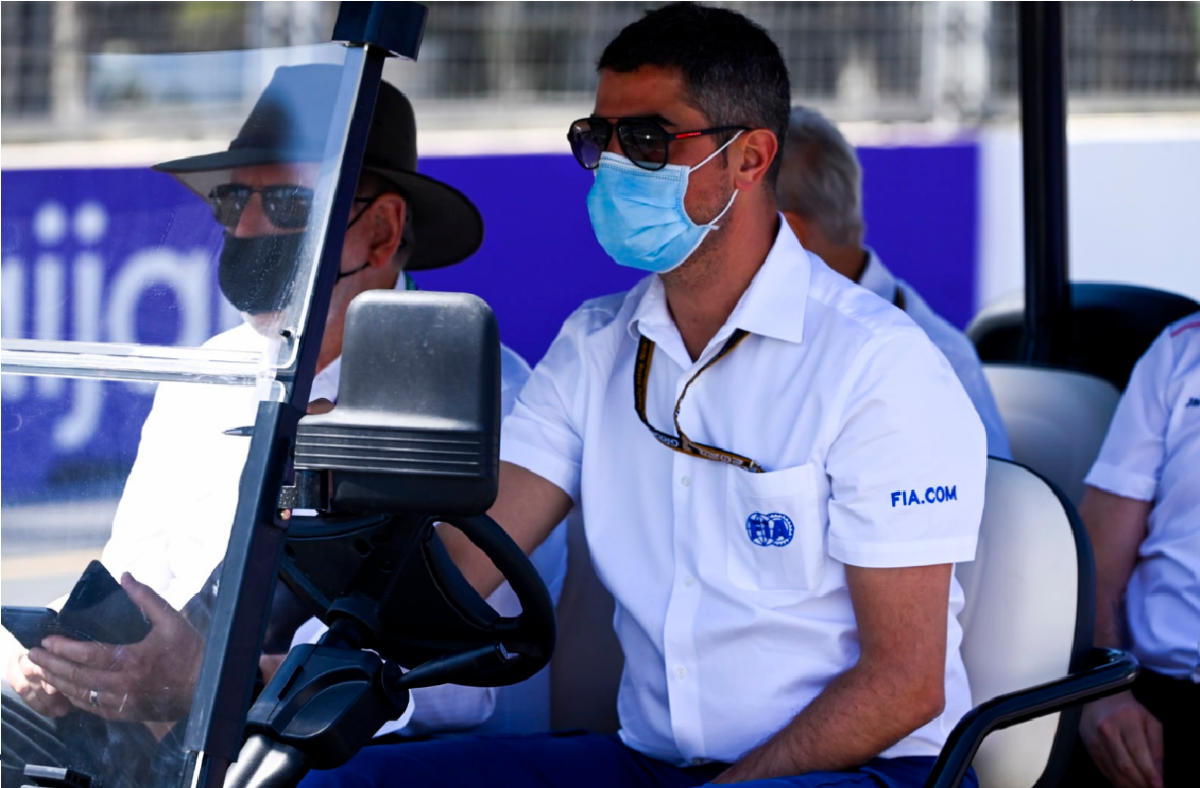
<point>573,760</point>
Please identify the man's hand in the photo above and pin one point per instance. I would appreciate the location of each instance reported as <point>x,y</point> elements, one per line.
<point>319,406</point>
<point>1125,741</point>
<point>29,681</point>
<point>150,681</point>
<point>268,665</point>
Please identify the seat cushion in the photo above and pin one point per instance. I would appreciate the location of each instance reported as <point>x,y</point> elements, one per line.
<point>586,670</point>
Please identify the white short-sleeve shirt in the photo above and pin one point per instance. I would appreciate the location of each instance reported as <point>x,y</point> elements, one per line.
<point>954,345</point>
<point>731,600</point>
<point>1152,453</point>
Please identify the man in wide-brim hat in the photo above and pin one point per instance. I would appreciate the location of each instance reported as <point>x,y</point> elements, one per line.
<point>261,191</point>
<point>173,522</point>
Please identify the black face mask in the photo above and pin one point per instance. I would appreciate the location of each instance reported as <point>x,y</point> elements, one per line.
<point>257,273</point>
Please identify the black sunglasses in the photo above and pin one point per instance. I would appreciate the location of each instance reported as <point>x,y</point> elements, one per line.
<point>644,141</point>
<point>286,206</point>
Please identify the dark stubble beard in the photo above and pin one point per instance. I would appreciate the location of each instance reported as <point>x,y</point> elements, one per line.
<point>704,266</point>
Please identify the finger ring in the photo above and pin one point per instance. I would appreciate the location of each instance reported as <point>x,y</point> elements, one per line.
<point>94,698</point>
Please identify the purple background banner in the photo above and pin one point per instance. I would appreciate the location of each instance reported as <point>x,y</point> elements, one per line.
<point>126,255</point>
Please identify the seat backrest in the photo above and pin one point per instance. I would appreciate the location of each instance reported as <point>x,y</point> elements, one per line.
<point>1027,618</point>
<point>1056,419</point>
<point>1112,325</point>
<point>587,664</point>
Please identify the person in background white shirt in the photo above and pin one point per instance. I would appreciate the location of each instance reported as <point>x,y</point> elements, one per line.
<point>820,193</point>
<point>776,469</point>
<point>174,518</point>
<point>1142,511</point>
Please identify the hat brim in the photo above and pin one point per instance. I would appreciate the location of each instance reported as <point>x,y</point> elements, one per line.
<point>447,226</point>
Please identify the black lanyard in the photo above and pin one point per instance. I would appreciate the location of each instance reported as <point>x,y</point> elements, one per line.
<point>681,442</point>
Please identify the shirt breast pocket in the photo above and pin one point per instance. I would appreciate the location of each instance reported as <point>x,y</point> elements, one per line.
<point>775,532</point>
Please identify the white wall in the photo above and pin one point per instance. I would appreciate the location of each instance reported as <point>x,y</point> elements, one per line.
<point>1133,204</point>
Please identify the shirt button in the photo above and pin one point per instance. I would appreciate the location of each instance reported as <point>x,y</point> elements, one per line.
<point>686,481</point>
<point>680,672</point>
<point>689,581</point>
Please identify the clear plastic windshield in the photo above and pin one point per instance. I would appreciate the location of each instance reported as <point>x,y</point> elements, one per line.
<point>154,287</point>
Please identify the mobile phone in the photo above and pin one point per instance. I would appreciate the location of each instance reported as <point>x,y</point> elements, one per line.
<point>98,609</point>
<point>31,625</point>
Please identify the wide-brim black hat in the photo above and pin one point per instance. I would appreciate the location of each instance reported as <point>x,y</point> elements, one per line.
<point>290,123</point>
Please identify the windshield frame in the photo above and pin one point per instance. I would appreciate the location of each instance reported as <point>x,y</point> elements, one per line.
<point>215,729</point>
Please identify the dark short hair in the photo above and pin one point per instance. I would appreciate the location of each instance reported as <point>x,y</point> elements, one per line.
<point>732,70</point>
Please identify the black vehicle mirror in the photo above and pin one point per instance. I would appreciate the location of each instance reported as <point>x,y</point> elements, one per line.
<point>413,443</point>
<point>416,429</point>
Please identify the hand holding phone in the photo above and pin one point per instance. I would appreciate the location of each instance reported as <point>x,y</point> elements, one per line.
<point>152,680</point>
<point>98,610</point>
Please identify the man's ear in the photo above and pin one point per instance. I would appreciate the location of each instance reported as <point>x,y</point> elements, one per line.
<point>386,228</point>
<point>759,148</point>
<point>799,227</point>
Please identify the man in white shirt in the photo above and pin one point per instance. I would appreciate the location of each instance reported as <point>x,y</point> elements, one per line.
<point>1142,511</point>
<point>820,194</point>
<point>777,470</point>
<point>174,518</point>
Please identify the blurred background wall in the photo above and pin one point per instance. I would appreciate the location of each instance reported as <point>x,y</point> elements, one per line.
<point>927,90</point>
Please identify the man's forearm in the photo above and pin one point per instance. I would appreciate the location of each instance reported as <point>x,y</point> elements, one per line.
<point>859,715</point>
<point>1116,526</point>
<point>1110,628</point>
<point>528,507</point>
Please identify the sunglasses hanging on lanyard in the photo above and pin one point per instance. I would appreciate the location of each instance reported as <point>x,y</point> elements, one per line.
<point>680,442</point>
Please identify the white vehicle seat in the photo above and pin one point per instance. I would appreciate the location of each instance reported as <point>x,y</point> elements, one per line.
<point>1027,618</point>
<point>1056,419</point>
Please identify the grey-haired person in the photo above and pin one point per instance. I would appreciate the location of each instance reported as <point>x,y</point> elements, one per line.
<point>820,194</point>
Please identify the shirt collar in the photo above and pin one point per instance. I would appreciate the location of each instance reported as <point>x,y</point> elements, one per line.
<point>775,302</point>
<point>773,305</point>
<point>651,313</point>
<point>325,383</point>
<point>877,278</point>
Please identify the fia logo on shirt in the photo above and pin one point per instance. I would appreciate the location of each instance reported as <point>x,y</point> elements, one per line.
<point>932,495</point>
<point>770,530</point>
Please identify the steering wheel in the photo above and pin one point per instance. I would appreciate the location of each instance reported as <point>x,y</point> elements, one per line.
<point>392,577</point>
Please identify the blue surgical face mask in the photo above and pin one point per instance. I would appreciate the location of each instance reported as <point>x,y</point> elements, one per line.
<point>638,214</point>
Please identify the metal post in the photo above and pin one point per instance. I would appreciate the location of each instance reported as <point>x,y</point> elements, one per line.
<point>1044,151</point>
<point>67,67</point>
